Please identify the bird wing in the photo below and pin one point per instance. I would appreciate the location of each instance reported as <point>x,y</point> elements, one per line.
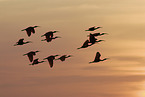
<point>20,40</point>
<point>50,60</point>
<point>30,56</point>
<point>35,61</point>
<point>28,30</point>
<point>32,30</point>
<point>97,58</point>
<point>92,38</point>
<point>86,43</point>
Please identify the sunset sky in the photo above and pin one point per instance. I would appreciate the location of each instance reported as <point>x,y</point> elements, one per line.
<point>122,75</point>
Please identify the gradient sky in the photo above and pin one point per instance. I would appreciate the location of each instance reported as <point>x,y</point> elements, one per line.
<point>120,76</point>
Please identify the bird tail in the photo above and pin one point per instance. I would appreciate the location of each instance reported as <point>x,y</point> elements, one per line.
<point>29,42</point>
<point>42,61</point>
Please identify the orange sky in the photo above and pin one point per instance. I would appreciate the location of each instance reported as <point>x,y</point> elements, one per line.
<point>122,75</point>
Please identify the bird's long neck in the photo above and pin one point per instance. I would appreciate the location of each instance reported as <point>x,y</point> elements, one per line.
<point>79,48</point>
<point>35,26</point>
<point>87,30</point>
<point>23,30</point>
<point>24,54</point>
<point>104,59</point>
<point>41,61</point>
<point>36,51</point>
<point>103,33</point>
<point>91,62</point>
<point>99,40</point>
<point>68,56</point>
<point>28,42</point>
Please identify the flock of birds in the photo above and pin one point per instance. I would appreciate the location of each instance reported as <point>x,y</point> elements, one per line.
<point>49,36</point>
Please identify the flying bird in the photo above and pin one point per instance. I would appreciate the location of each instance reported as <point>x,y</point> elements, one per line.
<point>93,40</point>
<point>49,34</point>
<point>93,28</point>
<point>36,62</point>
<point>85,45</point>
<point>21,42</point>
<point>50,60</point>
<point>31,54</point>
<point>98,34</point>
<point>62,58</point>
<point>97,58</point>
<point>30,30</point>
<point>49,39</point>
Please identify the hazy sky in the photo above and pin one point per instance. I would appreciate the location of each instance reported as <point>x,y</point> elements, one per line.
<point>122,75</point>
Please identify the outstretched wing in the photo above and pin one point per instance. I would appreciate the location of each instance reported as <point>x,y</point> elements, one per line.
<point>30,56</point>
<point>20,40</point>
<point>97,58</point>
<point>50,60</point>
<point>85,43</point>
<point>92,38</point>
<point>35,61</point>
<point>32,30</point>
<point>28,30</point>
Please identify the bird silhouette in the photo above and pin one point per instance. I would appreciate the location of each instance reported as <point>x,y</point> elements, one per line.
<point>49,39</point>
<point>93,40</point>
<point>98,34</point>
<point>36,62</point>
<point>30,30</point>
<point>97,58</point>
<point>31,54</point>
<point>85,45</point>
<point>21,42</point>
<point>62,58</point>
<point>49,34</point>
<point>93,28</point>
<point>50,60</point>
